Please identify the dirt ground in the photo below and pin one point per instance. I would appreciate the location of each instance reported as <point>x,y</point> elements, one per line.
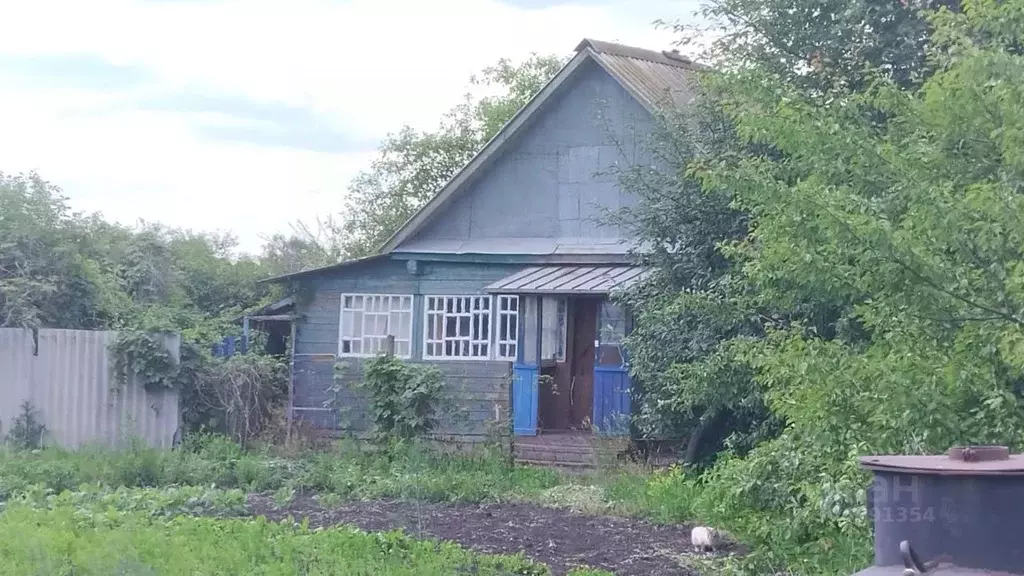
<point>558,538</point>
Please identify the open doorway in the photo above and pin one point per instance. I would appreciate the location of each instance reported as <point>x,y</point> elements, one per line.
<point>567,377</point>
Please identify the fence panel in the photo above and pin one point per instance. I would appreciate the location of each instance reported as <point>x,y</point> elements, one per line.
<point>66,376</point>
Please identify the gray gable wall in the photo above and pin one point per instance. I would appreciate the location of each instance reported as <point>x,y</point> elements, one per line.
<point>553,180</point>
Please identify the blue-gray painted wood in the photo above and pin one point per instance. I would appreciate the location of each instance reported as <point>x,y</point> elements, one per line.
<point>476,386</point>
<point>557,177</point>
<point>475,396</point>
<point>317,330</point>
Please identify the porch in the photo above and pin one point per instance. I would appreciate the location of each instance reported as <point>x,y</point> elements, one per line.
<point>569,450</point>
<point>571,385</point>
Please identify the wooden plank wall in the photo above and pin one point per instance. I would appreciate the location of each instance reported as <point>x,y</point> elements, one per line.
<point>480,389</point>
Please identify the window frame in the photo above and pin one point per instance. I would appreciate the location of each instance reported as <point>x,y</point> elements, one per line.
<point>362,336</point>
<point>488,337</point>
<point>513,343</point>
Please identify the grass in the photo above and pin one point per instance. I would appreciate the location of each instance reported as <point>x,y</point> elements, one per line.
<point>67,540</point>
<point>214,475</point>
<point>403,472</point>
<point>137,511</point>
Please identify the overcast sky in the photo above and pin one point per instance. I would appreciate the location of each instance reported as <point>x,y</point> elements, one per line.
<point>245,115</point>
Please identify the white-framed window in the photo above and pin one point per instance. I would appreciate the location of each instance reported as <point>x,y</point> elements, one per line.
<point>506,340</point>
<point>368,319</point>
<point>457,327</point>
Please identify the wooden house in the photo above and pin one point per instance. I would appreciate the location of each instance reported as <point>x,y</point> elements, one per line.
<point>503,279</point>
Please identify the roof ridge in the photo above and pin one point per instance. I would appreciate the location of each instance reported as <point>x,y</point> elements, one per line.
<point>666,57</point>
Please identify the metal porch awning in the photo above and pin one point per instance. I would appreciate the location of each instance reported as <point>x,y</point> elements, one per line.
<point>579,279</point>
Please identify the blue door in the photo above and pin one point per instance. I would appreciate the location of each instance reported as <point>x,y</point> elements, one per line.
<point>524,399</point>
<point>612,404</point>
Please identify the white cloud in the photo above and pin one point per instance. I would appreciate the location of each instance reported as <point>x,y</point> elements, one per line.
<point>367,66</point>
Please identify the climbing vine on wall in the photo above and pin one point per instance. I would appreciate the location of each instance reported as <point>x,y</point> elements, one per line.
<point>144,356</point>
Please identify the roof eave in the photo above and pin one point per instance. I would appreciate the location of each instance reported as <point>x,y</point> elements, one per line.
<point>322,269</point>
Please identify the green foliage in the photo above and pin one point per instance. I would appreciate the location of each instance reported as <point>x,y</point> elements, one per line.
<point>27,430</point>
<point>690,304</point>
<point>165,502</point>
<point>44,278</point>
<point>236,396</point>
<point>817,46</point>
<point>66,539</point>
<point>403,471</point>
<point>404,398</point>
<point>60,269</point>
<point>880,268</point>
<point>144,359</point>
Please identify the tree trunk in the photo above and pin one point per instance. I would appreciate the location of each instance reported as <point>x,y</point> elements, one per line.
<point>693,443</point>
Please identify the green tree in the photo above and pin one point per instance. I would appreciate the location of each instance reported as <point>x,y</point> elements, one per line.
<point>305,248</point>
<point>412,166</point>
<point>60,269</point>
<point>819,46</point>
<point>684,309</point>
<point>909,230</point>
<point>697,299</point>
<point>44,280</point>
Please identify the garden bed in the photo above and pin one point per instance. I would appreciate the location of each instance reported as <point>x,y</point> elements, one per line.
<point>559,538</point>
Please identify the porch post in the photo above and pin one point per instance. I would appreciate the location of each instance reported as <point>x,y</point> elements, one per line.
<point>525,378</point>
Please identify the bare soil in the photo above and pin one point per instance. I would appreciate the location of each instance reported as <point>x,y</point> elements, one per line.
<point>561,539</point>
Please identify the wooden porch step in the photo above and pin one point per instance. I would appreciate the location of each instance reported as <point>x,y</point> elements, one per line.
<point>560,449</point>
<point>578,466</point>
<point>569,458</point>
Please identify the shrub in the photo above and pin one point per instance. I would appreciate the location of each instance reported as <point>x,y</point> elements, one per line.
<point>404,398</point>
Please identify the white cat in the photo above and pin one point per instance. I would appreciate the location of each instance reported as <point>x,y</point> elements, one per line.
<point>704,538</point>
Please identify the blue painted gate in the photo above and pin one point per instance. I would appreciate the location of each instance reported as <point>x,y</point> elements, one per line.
<point>525,379</point>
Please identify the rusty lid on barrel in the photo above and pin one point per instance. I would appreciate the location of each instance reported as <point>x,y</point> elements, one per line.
<point>958,461</point>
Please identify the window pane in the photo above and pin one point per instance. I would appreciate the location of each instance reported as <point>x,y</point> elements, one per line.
<point>357,324</point>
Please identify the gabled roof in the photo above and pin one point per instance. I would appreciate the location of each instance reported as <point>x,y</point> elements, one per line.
<point>655,79</point>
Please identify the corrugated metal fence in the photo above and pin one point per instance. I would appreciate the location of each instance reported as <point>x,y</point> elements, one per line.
<point>66,376</point>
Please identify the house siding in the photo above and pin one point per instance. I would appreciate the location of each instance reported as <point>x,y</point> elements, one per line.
<point>477,387</point>
<point>557,179</point>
